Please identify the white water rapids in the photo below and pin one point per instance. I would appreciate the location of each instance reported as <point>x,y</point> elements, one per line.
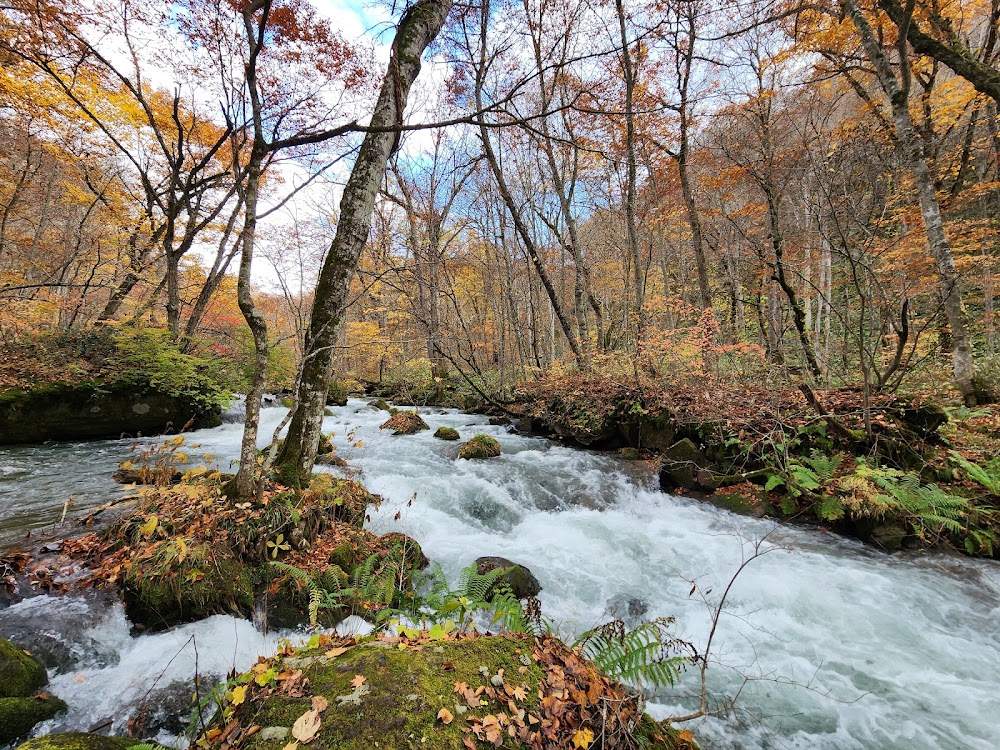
<point>831,645</point>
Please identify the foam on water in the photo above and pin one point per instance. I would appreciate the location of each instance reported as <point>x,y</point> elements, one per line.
<point>886,651</point>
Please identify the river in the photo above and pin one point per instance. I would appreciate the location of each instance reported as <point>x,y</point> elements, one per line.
<point>831,645</point>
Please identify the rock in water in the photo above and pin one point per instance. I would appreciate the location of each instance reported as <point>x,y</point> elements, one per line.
<point>20,675</point>
<point>521,580</point>
<point>481,446</point>
<point>19,715</point>
<point>404,423</point>
<point>628,608</point>
<point>447,433</point>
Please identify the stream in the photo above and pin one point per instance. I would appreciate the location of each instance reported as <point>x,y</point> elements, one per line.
<point>830,645</point>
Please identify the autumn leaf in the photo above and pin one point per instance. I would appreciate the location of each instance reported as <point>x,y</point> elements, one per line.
<point>307,726</point>
<point>358,681</point>
<point>239,694</point>
<point>149,527</point>
<point>583,738</point>
<point>333,653</point>
<point>320,704</point>
<point>445,716</point>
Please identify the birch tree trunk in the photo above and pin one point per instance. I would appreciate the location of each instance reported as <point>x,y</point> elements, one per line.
<point>910,148</point>
<point>417,28</point>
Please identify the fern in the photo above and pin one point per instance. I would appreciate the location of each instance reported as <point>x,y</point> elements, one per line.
<point>475,594</point>
<point>325,590</point>
<point>648,654</point>
<point>988,477</point>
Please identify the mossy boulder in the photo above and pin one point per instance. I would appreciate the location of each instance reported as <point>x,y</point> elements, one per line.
<point>79,741</point>
<point>481,446</point>
<point>630,454</point>
<point>159,593</point>
<point>446,433</point>
<point>522,581</point>
<point>19,715</point>
<point>325,444</point>
<point>20,675</point>
<point>425,690</point>
<point>380,403</point>
<point>404,423</point>
<point>684,466</point>
<point>95,409</point>
<point>413,557</point>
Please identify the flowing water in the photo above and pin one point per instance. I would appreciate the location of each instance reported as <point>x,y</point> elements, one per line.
<point>830,645</point>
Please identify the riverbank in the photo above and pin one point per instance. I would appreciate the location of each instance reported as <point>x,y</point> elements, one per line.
<point>891,471</point>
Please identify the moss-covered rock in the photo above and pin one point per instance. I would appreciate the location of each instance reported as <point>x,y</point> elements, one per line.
<point>481,446</point>
<point>380,403</point>
<point>522,581</point>
<point>20,675</point>
<point>428,690</point>
<point>19,715</point>
<point>93,410</point>
<point>446,433</point>
<point>160,592</point>
<point>629,454</point>
<point>79,741</point>
<point>412,556</point>
<point>404,423</point>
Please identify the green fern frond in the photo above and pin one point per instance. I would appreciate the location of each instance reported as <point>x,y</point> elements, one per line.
<point>648,654</point>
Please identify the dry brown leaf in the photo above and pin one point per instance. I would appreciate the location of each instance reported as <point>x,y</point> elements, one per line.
<point>307,726</point>
<point>333,653</point>
<point>319,703</point>
<point>446,716</point>
<point>358,681</point>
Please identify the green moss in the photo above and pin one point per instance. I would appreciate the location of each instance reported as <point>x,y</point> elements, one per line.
<point>406,689</point>
<point>20,675</point>
<point>481,446</point>
<point>159,593</point>
<point>447,433</point>
<point>79,741</point>
<point>19,715</point>
<point>630,454</point>
<point>381,404</point>
<point>404,423</point>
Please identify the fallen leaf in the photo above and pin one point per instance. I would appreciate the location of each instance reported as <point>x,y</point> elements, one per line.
<point>446,716</point>
<point>358,681</point>
<point>291,746</point>
<point>320,703</point>
<point>469,743</point>
<point>307,726</point>
<point>583,738</point>
<point>333,653</point>
<point>239,694</point>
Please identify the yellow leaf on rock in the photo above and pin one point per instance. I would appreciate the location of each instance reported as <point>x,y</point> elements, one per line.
<point>239,694</point>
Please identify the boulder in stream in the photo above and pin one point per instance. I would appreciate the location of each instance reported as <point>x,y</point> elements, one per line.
<point>481,446</point>
<point>446,433</point>
<point>20,679</point>
<point>522,581</point>
<point>404,423</point>
<point>20,675</point>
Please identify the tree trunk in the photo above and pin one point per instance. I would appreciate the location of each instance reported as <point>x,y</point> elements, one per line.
<point>418,27</point>
<point>911,150</point>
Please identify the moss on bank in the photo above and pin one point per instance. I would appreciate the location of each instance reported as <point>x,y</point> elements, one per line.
<point>79,741</point>
<point>433,689</point>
